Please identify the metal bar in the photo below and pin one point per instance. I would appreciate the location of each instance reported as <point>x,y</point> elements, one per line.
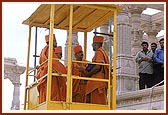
<point>109,82</point>
<point>114,62</point>
<point>110,52</point>
<point>60,59</point>
<point>35,53</point>
<point>110,46</point>
<point>85,45</point>
<point>27,67</point>
<point>103,34</point>
<point>50,55</point>
<point>69,78</point>
<point>88,78</point>
<point>89,62</point>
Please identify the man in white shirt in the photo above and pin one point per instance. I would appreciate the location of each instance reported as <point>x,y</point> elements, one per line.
<point>144,60</point>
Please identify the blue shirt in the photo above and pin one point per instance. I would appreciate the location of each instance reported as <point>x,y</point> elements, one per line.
<point>159,56</point>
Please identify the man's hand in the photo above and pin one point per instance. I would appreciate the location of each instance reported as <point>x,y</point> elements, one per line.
<point>145,59</point>
<point>81,69</point>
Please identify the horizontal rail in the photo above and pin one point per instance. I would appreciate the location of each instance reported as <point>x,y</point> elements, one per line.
<point>87,78</point>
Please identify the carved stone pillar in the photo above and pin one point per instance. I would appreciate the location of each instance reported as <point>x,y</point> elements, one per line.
<point>137,33</point>
<point>151,30</point>
<point>74,43</point>
<point>12,71</point>
<point>126,78</point>
<point>16,93</point>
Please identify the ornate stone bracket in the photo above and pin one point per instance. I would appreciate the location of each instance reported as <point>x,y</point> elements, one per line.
<point>12,71</point>
<point>151,29</point>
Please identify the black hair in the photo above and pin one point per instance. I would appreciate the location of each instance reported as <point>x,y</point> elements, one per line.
<point>162,39</point>
<point>144,43</point>
<point>154,44</point>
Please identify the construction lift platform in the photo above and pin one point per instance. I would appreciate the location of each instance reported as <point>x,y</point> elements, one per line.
<point>74,18</point>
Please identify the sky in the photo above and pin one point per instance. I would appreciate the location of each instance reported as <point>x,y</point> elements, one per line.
<point>14,41</point>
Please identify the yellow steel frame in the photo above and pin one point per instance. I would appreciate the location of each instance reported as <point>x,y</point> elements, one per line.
<point>114,62</point>
<point>69,105</point>
<point>69,78</point>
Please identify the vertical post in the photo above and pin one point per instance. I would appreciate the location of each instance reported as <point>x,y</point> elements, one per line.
<point>85,44</point>
<point>27,67</point>
<point>110,46</point>
<point>114,62</point>
<point>110,52</point>
<point>35,54</point>
<point>69,78</point>
<point>95,31</point>
<point>50,55</point>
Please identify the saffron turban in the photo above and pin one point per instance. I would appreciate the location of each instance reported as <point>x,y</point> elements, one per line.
<point>77,49</point>
<point>58,49</point>
<point>47,38</point>
<point>99,39</point>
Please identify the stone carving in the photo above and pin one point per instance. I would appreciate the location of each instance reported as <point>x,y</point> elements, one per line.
<point>12,71</point>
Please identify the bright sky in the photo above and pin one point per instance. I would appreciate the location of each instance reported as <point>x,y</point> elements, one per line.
<point>14,41</point>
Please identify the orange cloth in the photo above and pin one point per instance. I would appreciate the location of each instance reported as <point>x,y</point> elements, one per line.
<point>47,38</point>
<point>98,39</point>
<point>77,49</point>
<point>58,49</point>
<point>58,85</point>
<point>96,87</point>
<point>78,86</point>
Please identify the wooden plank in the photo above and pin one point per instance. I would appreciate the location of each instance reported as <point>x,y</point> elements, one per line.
<point>55,26</point>
<point>41,15</point>
<point>86,106</point>
<point>58,8</point>
<point>101,21</point>
<point>66,20</point>
<point>80,16</point>
<point>90,19</point>
<point>61,15</point>
<point>108,7</point>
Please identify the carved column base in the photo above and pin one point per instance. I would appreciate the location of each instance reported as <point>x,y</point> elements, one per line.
<point>142,99</point>
<point>126,74</point>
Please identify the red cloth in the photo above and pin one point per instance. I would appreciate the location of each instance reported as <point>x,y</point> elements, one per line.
<point>58,85</point>
<point>47,38</point>
<point>93,87</point>
<point>58,49</point>
<point>77,49</point>
<point>78,86</point>
<point>98,39</point>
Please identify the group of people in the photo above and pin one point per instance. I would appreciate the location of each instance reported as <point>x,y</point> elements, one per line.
<point>84,91</point>
<point>151,65</point>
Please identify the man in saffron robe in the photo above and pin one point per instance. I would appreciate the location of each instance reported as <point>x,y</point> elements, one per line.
<point>59,68</point>
<point>78,86</point>
<point>96,91</point>
<point>42,70</point>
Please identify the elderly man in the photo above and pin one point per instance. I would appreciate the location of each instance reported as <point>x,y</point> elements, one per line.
<point>43,69</point>
<point>59,82</point>
<point>79,86</point>
<point>96,91</point>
